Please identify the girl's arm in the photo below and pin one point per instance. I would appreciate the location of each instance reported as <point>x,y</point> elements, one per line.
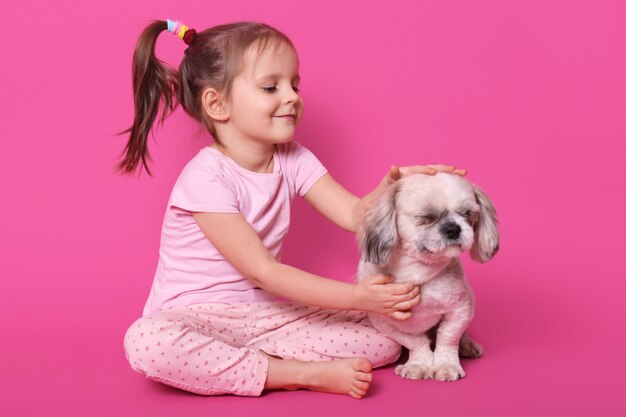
<point>347,210</point>
<point>231,234</point>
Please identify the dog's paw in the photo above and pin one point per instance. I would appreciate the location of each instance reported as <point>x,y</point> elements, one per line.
<point>447,372</point>
<point>469,348</point>
<point>413,371</point>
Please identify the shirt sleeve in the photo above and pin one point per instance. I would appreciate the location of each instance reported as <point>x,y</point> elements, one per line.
<point>204,189</point>
<point>306,168</point>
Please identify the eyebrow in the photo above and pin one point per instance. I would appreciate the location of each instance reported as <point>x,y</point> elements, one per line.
<point>275,76</point>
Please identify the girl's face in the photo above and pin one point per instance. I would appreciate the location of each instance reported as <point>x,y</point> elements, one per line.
<point>264,102</point>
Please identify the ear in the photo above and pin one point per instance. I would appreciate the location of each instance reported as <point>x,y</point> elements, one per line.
<point>379,234</point>
<point>214,104</point>
<point>486,237</point>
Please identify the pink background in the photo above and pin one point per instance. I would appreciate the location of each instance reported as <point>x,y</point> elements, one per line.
<point>529,96</point>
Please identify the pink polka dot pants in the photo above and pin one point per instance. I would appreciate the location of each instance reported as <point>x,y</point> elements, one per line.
<point>213,348</point>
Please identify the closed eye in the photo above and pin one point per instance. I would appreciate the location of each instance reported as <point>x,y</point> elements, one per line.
<point>274,89</point>
<point>426,219</point>
<point>470,215</point>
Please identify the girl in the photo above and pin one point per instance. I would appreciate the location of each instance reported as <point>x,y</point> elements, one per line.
<point>210,324</point>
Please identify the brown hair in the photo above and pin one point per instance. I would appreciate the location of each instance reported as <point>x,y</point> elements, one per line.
<point>213,59</point>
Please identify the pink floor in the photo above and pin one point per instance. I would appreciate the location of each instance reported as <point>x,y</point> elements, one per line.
<point>546,354</point>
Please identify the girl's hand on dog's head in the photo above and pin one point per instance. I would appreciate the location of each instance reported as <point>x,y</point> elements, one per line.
<point>395,173</point>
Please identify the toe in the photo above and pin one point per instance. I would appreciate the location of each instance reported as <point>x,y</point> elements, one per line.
<point>362,376</point>
<point>363,365</point>
<point>357,393</point>
<point>364,386</point>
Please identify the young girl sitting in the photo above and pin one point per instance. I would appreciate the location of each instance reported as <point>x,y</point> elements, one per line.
<point>211,324</point>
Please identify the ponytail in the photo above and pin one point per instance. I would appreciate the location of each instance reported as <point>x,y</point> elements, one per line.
<point>153,82</point>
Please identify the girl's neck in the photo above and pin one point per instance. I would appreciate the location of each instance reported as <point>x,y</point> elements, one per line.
<point>255,158</point>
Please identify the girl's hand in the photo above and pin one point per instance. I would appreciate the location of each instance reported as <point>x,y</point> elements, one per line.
<point>396,173</point>
<point>379,293</point>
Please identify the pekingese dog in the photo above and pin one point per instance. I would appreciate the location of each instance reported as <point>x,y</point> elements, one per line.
<point>416,232</point>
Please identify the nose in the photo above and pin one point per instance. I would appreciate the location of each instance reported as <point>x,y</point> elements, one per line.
<point>291,96</point>
<point>451,230</point>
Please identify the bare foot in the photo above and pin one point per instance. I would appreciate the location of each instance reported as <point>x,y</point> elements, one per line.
<point>344,376</point>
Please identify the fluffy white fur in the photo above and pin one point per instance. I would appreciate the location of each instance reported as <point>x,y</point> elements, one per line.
<point>416,232</point>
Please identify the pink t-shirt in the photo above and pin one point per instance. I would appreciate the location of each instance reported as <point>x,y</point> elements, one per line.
<point>190,269</point>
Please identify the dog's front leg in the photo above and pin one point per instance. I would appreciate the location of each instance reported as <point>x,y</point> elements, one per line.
<point>420,363</point>
<point>446,364</point>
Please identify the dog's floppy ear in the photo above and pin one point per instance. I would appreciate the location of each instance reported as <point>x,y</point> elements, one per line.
<point>486,237</point>
<point>379,234</point>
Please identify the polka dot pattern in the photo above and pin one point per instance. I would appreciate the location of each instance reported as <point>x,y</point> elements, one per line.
<point>213,348</point>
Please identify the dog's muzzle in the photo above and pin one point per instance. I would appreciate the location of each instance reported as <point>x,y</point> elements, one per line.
<point>451,230</point>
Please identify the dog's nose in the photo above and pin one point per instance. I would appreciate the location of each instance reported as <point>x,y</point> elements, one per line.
<point>451,230</point>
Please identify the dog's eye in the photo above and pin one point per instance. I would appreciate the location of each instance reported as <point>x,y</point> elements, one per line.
<point>427,219</point>
<point>466,213</point>
<point>470,215</point>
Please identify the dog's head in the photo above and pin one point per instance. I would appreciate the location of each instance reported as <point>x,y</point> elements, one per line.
<point>432,216</point>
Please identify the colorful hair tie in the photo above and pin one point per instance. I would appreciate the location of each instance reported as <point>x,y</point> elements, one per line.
<point>182,31</point>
